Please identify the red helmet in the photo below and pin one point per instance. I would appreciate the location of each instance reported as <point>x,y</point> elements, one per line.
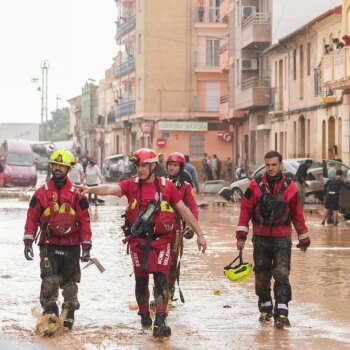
<point>144,155</point>
<point>176,157</point>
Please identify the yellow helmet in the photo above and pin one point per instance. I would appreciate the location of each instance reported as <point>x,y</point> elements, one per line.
<point>240,272</point>
<point>62,157</point>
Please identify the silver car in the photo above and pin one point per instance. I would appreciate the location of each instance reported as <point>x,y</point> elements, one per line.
<point>314,179</point>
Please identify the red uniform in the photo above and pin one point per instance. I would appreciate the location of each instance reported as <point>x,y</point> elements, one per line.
<point>250,210</point>
<point>44,198</point>
<point>139,194</point>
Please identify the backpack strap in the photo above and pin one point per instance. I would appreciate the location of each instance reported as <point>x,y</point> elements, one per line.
<point>259,181</point>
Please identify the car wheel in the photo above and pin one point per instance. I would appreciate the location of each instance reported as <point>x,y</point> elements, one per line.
<point>236,195</point>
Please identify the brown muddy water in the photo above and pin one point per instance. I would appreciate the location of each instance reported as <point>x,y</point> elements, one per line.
<point>228,319</point>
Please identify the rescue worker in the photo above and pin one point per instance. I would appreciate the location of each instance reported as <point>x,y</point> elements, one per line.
<point>175,165</point>
<point>272,203</point>
<point>149,229</point>
<point>62,215</point>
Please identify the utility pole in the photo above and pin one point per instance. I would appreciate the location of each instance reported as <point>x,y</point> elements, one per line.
<point>44,79</point>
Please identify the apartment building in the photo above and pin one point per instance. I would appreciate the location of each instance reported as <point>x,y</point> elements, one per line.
<point>168,79</point>
<point>304,117</point>
<point>245,105</point>
<point>335,75</point>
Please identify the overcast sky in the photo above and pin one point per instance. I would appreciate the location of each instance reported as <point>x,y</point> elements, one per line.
<point>77,38</point>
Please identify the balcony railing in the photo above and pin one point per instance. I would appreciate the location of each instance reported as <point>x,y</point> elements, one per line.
<point>320,92</point>
<point>256,82</point>
<point>125,108</point>
<point>126,27</point>
<point>125,68</point>
<point>257,18</point>
<point>208,14</point>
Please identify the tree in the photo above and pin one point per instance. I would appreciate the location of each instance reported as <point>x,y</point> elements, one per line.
<point>58,125</point>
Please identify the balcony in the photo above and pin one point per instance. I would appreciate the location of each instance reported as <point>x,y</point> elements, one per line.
<point>224,56</point>
<point>256,31</point>
<point>276,102</point>
<point>255,93</point>
<point>224,110</point>
<point>208,62</point>
<point>125,68</point>
<point>125,28</point>
<point>125,108</point>
<point>336,70</point>
<point>321,94</point>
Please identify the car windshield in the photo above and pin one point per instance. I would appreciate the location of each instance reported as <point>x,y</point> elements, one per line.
<point>315,163</point>
<point>25,159</point>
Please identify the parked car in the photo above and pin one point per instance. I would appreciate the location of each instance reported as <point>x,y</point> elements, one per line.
<point>41,151</point>
<point>314,179</point>
<point>18,163</point>
<point>109,168</point>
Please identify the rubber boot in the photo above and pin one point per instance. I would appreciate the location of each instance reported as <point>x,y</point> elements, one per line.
<point>281,321</point>
<point>69,320</point>
<point>160,329</point>
<point>146,321</point>
<point>52,310</point>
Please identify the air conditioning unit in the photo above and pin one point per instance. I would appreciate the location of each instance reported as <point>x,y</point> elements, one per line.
<point>247,11</point>
<point>249,64</point>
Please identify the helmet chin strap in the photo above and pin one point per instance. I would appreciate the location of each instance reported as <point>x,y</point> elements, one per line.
<point>151,171</point>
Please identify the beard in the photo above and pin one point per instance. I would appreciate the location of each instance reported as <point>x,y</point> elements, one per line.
<point>59,175</point>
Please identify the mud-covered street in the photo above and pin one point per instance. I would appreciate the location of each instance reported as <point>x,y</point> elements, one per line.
<point>228,319</point>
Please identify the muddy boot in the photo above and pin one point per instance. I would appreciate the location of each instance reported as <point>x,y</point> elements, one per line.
<point>171,297</point>
<point>265,316</point>
<point>69,320</point>
<point>160,329</point>
<point>146,321</point>
<point>52,310</point>
<point>281,321</point>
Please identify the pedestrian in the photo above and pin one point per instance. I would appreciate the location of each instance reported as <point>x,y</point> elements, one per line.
<point>161,168</point>
<point>193,172</point>
<point>84,159</point>
<point>204,167</point>
<point>229,169</point>
<point>62,215</point>
<point>1,176</point>
<point>175,168</point>
<point>331,195</point>
<point>209,169</point>
<point>93,177</point>
<point>301,176</point>
<point>76,175</point>
<point>120,168</point>
<point>201,7</point>
<point>149,229</point>
<point>272,203</point>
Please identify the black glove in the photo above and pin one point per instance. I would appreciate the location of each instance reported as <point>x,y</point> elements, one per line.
<point>28,252</point>
<point>85,256</point>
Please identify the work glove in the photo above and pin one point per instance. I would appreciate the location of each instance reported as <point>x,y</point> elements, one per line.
<point>304,243</point>
<point>241,235</point>
<point>188,233</point>
<point>28,249</point>
<point>86,252</point>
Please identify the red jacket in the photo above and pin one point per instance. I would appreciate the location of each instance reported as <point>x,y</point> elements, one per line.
<point>188,198</point>
<point>43,198</point>
<point>249,210</point>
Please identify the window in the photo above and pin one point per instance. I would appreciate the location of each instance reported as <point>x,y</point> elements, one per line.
<point>140,44</point>
<point>295,64</point>
<point>196,145</point>
<point>213,52</point>
<point>308,58</point>
<point>139,88</point>
<point>301,72</point>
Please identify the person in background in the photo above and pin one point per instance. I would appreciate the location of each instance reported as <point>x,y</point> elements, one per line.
<point>272,203</point>
<point>201,7</point>
<point>84,159</point>
<point>346,39</point>
<point>209,169</point>
<point>176,170</point>
<point>161,168</point>
<point>204,166</point>
<point>149,230</point>
<point>76,175</point>
<point>229,169</point>
<point>93,177</point>
<point>62,214</point>
<point>193,172</point>
<point>120,168</point>
<point>331,195</point>
<point>300,176</point>
<point>1,175</point>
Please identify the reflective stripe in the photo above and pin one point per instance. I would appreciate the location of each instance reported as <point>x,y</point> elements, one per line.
<point>331,192</point>
<point>86,242</point>
<point>163,181</point>
<point>242,228</point>
<point>28,237</point>
<point>303,236</point>
<point>268,303</point>
<point>282,306</point>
